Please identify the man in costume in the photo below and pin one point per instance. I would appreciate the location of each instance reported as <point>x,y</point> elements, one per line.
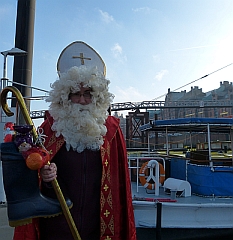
<point>88,157</point>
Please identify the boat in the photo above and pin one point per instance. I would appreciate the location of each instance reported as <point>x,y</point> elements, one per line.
<point>189,189</point>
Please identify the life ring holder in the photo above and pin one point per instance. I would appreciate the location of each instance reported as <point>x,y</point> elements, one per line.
<point>145,180</point>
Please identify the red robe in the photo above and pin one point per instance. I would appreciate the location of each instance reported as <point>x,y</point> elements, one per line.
<point>116,199</point>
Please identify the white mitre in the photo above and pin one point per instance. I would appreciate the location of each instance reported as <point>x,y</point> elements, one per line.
<point>79,63</point>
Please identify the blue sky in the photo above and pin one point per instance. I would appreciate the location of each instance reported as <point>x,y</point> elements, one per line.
<point>148,46</point>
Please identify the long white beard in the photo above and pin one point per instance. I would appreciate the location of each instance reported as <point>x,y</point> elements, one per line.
<point>82,126</point>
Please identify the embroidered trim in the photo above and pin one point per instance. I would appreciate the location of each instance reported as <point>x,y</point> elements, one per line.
<point>106,205</point>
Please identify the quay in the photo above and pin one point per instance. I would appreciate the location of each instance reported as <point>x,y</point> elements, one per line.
<point>6,232</point>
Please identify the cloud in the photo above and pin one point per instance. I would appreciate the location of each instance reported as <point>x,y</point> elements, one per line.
<point>118,53</point>
<point>116,50</point>
<point>5,11</point>
<point>142,9</point>
<point>159,76</point>
<point>106,17</point>
<point>129,94</point>
<point>189,48</point>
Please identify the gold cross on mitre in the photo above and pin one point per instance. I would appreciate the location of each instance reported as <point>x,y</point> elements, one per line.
<point>77,54</point>
<point>82,58</point>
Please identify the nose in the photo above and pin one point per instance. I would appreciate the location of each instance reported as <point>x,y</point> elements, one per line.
<point>82,100</point>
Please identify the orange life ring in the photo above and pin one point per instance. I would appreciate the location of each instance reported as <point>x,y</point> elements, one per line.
<point>142,176</point>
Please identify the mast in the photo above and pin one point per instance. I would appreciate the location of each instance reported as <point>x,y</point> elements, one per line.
<point>24,39</point>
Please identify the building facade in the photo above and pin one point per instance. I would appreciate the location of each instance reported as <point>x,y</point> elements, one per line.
<point>223,94</point>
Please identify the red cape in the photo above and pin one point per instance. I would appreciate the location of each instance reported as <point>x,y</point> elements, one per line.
<point>117,218</point>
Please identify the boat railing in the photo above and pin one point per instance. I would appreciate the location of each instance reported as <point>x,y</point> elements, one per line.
<point>138,160</point>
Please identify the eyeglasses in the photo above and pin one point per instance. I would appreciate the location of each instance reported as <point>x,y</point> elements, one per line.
<point>86,95</point>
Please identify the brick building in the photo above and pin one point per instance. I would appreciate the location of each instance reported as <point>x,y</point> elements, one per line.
<point>222,94</point>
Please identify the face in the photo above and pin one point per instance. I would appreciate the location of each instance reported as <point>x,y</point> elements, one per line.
<point>82,97</point>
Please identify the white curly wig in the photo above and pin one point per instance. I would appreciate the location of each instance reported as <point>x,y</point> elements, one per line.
<point>81,126</point>
<point>70,81</point>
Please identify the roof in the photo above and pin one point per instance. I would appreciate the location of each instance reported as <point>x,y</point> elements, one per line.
<point>221,125</point>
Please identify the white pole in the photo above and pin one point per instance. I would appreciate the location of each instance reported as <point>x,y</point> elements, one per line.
<point>209,145</point>
<point>4,78</point>
<point>167,142</point>
<point>148,142</point>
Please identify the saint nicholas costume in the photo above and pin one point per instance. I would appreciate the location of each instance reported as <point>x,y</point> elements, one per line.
<point>92,171</point>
